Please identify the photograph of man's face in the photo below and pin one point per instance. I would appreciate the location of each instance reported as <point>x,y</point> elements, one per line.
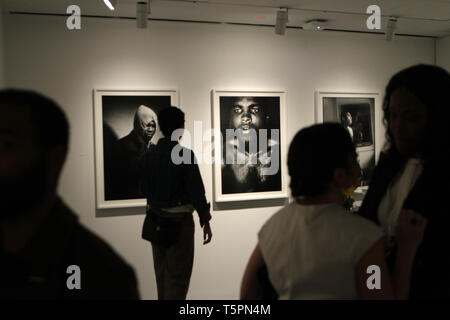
<point>145,122</point>
<point>346,119</point>
<point>246,114</point>
<point>251,119</point>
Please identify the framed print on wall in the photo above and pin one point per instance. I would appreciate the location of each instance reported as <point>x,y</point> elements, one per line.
<point>249,152</point>
<point>356,112</point>
<point>126,124</point>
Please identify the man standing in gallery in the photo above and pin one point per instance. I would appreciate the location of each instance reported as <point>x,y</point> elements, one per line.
<point>174,189</point>
<point>45,253</point>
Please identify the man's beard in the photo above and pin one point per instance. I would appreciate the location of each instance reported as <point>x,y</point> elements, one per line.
<point>19,196</point>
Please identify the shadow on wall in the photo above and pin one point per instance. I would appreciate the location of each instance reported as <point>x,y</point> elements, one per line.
<point>247,204</point>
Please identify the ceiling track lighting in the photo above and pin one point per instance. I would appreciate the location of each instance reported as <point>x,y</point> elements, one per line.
<point>315,24</point>
<point>390,28</point>
<point>142,11</point>
<point>111,4</point>
<point>282,19</point>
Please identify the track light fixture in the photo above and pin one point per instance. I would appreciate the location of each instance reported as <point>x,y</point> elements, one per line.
<point>142,11</point>
<point>111,4</point>
<point>390,28</point>
<point>282,19</point>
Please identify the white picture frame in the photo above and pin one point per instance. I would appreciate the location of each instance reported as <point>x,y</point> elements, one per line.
<point>230,186</point>
<point>115,113</point>
<point>332,106</point>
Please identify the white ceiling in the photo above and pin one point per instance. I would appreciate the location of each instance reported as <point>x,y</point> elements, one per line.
<point>415,17</point>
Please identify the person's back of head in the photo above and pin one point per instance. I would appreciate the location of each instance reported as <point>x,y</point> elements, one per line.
<point>47,118</point>
<point>34,135</point>
<point>170,119</point>
<point>314,155</point>
<point>33,147</point>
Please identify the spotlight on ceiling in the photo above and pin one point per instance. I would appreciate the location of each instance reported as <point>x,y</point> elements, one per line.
<point>142,11</point>
<point>111,4</point>
<point>390,28</point>
<point>315,24</point>
<point>282,19</point>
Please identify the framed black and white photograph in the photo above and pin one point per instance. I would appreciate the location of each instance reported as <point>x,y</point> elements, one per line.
<point>356,112</point>
<point>126,125</point>
<point>249,155</point>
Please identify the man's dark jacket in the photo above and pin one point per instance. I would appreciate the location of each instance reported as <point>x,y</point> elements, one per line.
<point>41,270</point>
<point>167,184</point>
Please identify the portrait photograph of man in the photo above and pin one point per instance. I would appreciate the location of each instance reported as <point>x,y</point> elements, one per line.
<point>357,118</point>
<point>250,128</point>
<point>356,114</point>
<point>129,128</point>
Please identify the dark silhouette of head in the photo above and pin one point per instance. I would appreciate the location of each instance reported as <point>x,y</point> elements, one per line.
<point>314,155</point>
<point>34,134</point>
<point>416,112</point>
<point>170,119</point>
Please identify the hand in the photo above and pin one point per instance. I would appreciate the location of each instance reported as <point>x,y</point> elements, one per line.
<point>409,229</point>
<point>207,234</point>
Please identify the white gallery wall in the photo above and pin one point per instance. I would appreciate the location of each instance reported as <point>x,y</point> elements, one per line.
<point>42,54</point>
<point>443,53</point>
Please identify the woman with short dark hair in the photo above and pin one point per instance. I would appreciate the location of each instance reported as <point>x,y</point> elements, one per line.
<point>313,248</point>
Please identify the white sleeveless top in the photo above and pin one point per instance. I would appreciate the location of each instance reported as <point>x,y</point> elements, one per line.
<point>311,250</point>
<point>391,204</point>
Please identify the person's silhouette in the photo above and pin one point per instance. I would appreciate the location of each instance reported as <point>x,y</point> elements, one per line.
<point>42,243</point>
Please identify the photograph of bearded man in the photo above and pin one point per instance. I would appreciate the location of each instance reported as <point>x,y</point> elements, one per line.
<point>251,129</point>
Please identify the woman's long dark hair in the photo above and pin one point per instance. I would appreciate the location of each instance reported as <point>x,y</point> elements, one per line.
<point>431,85</point>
